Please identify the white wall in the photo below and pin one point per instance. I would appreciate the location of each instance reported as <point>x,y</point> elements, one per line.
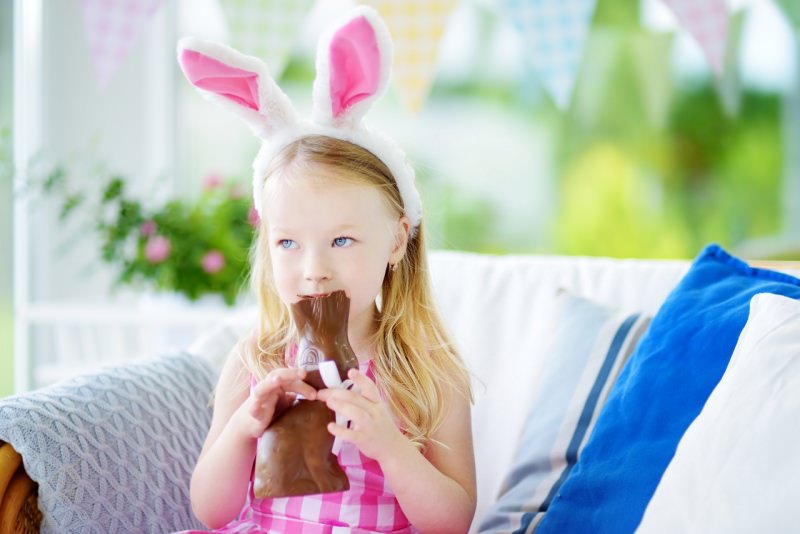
<point>128,125</point>
<point>6,110</point>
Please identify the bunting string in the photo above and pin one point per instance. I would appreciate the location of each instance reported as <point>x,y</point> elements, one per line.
<point>554,33</point>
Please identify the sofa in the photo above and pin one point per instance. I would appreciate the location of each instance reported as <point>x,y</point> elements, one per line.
<point>608,394</point>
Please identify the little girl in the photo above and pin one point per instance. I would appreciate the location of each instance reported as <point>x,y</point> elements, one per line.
<point>339,211</point>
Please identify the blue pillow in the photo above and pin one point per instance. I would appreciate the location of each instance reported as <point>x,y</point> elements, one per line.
<point>659,393</point>
<point>592,343</point>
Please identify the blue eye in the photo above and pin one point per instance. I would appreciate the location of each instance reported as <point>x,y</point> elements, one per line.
<point>342,241</point>
<point>287,243</point>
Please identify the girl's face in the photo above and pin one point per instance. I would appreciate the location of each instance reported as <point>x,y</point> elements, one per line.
<point>327,234</point>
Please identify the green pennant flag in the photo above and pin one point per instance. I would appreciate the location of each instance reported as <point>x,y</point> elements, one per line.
<point>650,58</point>
<point>266,29</point>
<point>729,82</point>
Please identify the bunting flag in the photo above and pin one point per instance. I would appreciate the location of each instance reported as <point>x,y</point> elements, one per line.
<point>416,27</point>
<point>707,22</point>
<point>112,27</point>
<point>554,32</point>
<point>729,82</point>
<point>266,29</point>
<point>650,56</point>
<point>603,50</point>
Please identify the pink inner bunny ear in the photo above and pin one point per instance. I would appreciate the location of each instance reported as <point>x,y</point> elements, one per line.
<point>355,65</point>
<point>238,85</point>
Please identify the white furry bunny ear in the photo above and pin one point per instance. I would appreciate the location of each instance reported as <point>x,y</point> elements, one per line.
<point>354,62</point>
<point>237,82</point>
<point>353,69</point>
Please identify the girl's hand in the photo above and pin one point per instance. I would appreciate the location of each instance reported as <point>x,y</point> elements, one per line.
<point>276,391</point>
<point>372,428</point>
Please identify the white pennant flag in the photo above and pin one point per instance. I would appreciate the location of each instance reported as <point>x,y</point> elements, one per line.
<point>707,22</point>
<point>554,32</point>
<point>113,26</point>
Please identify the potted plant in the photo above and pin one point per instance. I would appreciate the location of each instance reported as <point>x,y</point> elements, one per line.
<point>193,247</point>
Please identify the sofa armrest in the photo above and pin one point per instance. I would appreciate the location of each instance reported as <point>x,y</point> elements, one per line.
<point>19,510</point>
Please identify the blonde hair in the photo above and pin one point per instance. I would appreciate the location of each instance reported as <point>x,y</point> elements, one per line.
<point>416,362</point>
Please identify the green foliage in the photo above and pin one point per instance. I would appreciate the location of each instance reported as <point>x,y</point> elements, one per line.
<point>647,162</point>
<point>709,178</point>
<point>617,14</point>
<point>189,246</point>
<point>792,11</point>
<point>633,186</point>
<point>466,221</point>
<point>726,176</point>
<point>611,208</point>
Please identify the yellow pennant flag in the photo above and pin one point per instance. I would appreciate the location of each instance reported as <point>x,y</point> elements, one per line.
<point>416,27</point>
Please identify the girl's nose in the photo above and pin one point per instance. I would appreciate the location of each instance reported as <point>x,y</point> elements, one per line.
<point>316,268</point>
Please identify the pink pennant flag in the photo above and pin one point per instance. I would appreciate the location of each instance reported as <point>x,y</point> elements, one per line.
<point>113,26</point>
<point>707,22</point>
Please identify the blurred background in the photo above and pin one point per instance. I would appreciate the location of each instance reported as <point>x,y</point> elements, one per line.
<point>624,128</point>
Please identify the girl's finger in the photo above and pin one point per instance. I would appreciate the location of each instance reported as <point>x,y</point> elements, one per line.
<point>342,432</point>
<point>278,379</point>
<point>337,393</point>
<point>302,388</point>
<point>349,409</point>
<point>368,388</point>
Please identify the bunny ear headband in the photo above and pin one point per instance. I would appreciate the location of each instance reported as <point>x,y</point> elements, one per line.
<point>353,68</point>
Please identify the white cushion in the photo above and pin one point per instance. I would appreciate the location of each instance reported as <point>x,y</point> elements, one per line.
<point>592,343</point>
<point>735,469</point>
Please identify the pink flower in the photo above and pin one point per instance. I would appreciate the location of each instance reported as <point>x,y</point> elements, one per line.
<point>252,217</point>
<point>148,228</point>
<point>213,261</point>
<point>157,249</point>
<point>212,181</point>
<point>236,191</point>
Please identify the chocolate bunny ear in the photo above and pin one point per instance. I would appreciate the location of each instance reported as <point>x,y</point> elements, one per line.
<point>354,62</point>
<point>239,83</point>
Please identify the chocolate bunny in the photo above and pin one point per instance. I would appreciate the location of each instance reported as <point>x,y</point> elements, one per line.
<point>294,456</point>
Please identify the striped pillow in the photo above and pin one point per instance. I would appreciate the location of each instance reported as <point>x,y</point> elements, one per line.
<point>590,346</point>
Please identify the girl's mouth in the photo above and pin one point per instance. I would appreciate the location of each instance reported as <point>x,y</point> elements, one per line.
<point>314,295</point>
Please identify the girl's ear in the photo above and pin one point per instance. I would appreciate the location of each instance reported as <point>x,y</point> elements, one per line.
<point>238,82</point>
<point>354,63</point>
<point>401,235</point>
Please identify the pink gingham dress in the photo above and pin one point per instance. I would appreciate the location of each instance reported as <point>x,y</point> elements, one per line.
<point>368,506</point>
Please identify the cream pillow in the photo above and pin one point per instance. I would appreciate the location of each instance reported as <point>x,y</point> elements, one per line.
<point>736,467</point>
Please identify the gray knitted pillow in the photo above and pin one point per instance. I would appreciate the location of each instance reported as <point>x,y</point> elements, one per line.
<point>113,451</point>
